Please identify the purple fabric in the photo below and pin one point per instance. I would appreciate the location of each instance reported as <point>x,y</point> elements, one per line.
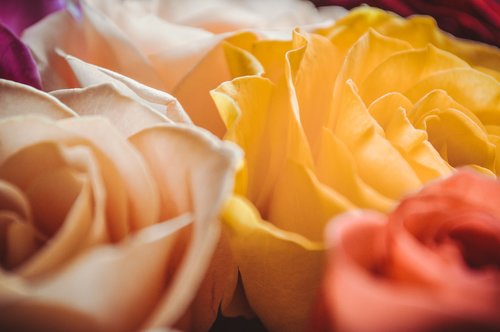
<point>16,62</point>
<point>18,15</point>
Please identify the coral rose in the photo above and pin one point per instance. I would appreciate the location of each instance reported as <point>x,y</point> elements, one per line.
<point>109,205</point>
<point>432,265</point>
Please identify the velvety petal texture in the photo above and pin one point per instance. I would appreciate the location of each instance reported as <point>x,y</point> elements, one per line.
<point>109,205</point>
<point>433,264</point>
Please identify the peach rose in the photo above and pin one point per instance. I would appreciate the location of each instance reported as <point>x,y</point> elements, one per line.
<point>432,265</point>
<point>108,204</point>
<point>174,46</point>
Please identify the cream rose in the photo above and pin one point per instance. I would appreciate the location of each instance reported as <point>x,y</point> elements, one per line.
<point>108,204</point>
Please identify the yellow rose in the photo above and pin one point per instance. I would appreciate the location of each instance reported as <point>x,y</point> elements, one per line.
<point>174,46</point>
<point>355,115</point>
<point>109,205</point>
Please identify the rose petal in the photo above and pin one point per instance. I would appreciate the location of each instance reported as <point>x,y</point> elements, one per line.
<point>104,45</point>
<point>391,112</point>
<point>292,264</point>
<point>406,271</point>
<point>88,75</point>
<point>131,172</point>
<point>373,153</point>
<point>335,167</point>
<point>20,99</point>
<point>93,284</point>
<point>299,197</point>
<point>125,113</point>
<point>418,65</point>
<point>201,162</point>
<point>206,75</point>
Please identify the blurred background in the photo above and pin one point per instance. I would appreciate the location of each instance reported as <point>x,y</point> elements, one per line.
<point>471,19</point>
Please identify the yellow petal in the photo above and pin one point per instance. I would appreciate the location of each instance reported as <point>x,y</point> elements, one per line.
<point>416,65</point>
<point>279,270</point>
<point>302,204</point>
<point>367,53</point>
<point>263,123</point>
<point>240,61</point>
<point>390,111</point>
<point>243,105</point>
<point>380,165</point>
<point>348,29</point>
<point>419,31</point>
<point>336,168</point>
<point>312,77</point>
<point>437,99</point>
<point>422,30</point>
<point>495,139</point>
<point>476,91</point>
<point>459,139</point>
<point>271,55</point>
<point>193,90</point>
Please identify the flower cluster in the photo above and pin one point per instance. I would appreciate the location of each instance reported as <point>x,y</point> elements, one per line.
<point>167,164</point>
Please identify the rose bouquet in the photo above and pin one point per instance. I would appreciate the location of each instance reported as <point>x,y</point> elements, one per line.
<point>336,112</point>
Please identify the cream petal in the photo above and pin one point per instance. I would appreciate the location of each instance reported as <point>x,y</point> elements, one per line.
<point>61,202</point>
<point>13,200</point>
<point>80,157</point>
<point>139,21</point>
<point>101,42</point>
<point>95,282</point>
<point>20,99</point>
<point>200,180</point>
<point>68,240</point>
<point>89,74</point>
<point>141,191</point>
<point>127,115</point>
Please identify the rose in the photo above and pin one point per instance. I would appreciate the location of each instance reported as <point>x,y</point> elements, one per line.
<point>176,47</point>
<point>356,115</point>
<point>433,264</point>
<point>476,19</point>
<point>108,205</point>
